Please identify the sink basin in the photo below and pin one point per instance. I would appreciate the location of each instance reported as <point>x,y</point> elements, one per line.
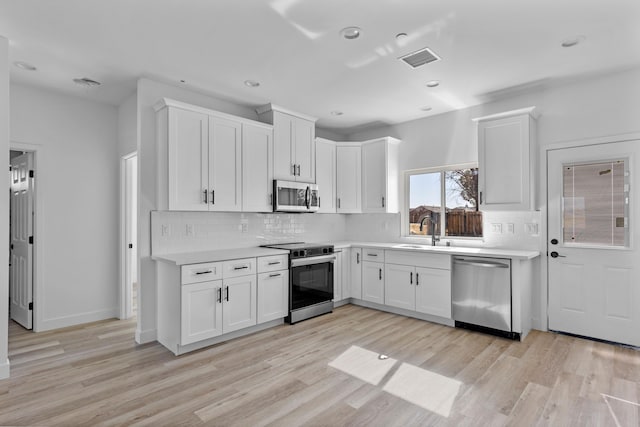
<point>410,246</point>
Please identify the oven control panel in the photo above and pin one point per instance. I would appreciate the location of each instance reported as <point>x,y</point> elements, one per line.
<point>311,252</point>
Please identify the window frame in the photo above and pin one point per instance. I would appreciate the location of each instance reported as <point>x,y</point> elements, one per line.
<point>406,232</point>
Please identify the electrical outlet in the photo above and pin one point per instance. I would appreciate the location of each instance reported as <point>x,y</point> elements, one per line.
<point>189,230</point>
<point>496,228</point>
<point>531,228</point>
<point>165,230</point>
<point>245,228</point>
<point>511,228</point>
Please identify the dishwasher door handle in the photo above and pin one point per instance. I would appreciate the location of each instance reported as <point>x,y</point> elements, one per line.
<point>486,264</point>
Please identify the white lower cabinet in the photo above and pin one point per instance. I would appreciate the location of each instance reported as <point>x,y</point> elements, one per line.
<point>355,273</point>
<point>341,288</point>
<point>239,303</point>
<point>201,311</point>
<point>373,282</point>
<point>419,282</point>
<point>273,295</point>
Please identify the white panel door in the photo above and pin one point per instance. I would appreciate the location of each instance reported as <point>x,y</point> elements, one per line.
<point>257,169</point>
<point>433,291</point>
<point>21,273</point>
<point>273,295</point>
<point>355,273</point>
<point>399,289</point>
<point>201,311</point>
<point>349,179</point>
<point>374,176</point>
<point>283,149</point>
<point>373,282</point>
<point>305,152</point>
<point>326,175</point>
<point>594,277</point>
<point>188,160</point>
<point>239,300</point>
<point>225,165</point>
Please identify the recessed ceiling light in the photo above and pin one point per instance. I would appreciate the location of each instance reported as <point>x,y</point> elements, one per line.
<point>24,65</point>
<point>350,33</point>
<point>572,41</point>
<point>86,82</point>
<point>251,83</point>
<point>401,36</point>
<point>426,108</point>
<point>336,113</point>
<point>433,83</point>
<point>183,81</point>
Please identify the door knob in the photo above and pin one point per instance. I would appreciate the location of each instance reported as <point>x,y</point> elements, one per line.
<point>555,254</point>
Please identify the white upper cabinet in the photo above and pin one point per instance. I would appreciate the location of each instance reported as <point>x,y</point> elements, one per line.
<point>507,160</point>
<point>293,143</point>
<point>211,161</point>
<point>348,178</point>
<point>380,175</point>
<point>326,175</point>
<point>225,164</point>
<point>257,171</point>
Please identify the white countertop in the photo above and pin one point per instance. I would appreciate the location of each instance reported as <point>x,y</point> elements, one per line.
<point>217,255</point>
<point>452,250</point>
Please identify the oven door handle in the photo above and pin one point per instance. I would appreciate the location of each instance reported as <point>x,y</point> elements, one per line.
<point>312,260</point>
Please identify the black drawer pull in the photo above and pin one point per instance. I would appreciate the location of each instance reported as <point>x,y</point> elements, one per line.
<point>275,275</point>
<point>274,263</point>
<point>241,268</point>
<point>204,272</point>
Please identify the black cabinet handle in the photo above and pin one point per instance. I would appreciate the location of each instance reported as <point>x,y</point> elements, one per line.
<point>204,272</point>
<point>241,268</point>
<point>274,263</point>
<point>213,197</point>
<point>380,273</point>
<point>275,275</point>
<point>219,294</point>
<point>227,294</point>
<point>206,193</point>
<point>411,278</point>
<point>358,258</point>
<point>417,279</point>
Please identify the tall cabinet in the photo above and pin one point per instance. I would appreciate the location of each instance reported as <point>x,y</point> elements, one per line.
<point>507,160</point>
<point>380,175</point>
<point>349,178</point>
<point>326,175</point>
<point>294,143</point>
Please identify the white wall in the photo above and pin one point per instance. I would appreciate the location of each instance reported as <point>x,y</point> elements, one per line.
<point>128,125</point>
<point>77,172</point>
<point>4,209</point>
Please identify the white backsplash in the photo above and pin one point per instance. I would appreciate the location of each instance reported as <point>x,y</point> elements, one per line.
<point>177,232</point>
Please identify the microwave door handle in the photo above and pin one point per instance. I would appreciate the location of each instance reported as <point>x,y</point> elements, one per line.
<point>307,197</point>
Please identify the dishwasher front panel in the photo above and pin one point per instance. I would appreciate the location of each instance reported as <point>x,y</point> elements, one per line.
<point>481,292</point>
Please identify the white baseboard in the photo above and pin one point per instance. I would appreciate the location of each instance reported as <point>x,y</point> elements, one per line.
<point>143,337</point>
<point>4,370</point>
<point>77,319</point>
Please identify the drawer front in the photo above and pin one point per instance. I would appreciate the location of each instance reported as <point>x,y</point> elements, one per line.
<point>273,263</point>
<point>238,267</point>
<point>196,273</point>
<point>375,255</point>
<point>419,259</point>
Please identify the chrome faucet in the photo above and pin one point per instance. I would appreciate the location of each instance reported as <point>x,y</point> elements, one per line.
<point>434,238</point>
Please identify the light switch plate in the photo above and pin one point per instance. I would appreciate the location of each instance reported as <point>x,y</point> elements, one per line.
<point>496,228</point>
<point>165,230</point>
<point>189,230</point>
<point>511,228</point>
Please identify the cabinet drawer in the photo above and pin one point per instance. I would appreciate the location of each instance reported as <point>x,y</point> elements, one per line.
<point>272,263</point>
<point>238,267</point>
<point>375,255</point>
<point>419,259</point>
<point>196,273</point>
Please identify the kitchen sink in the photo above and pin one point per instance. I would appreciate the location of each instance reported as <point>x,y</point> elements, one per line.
<point>410,246</point>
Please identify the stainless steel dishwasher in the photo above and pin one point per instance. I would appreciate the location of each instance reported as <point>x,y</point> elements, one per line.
<point>481,294</point>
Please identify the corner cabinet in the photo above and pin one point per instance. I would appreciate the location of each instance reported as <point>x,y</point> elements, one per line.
<point>326,175</point>
<point>507,160</point>
<point>211,161</point>
<point>380,175</point>
<point>294,143</point>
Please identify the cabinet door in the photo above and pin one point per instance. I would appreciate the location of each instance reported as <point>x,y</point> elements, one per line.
<point>356,273</point>
<point>433,291</point>
<point>257,168</point>
<point>304,148</point>
<point>373,282</point>
<point>326,175</point>
<point>345,260</point>
<point>225,165</point>
<point>239,303</point>
<point>374,177</point>
<point>337,276</point>
<point>188,160</point>
<point>283,150</point>
<point>349,179</point>
<point>503,162</point>
<point>400,290</point>
<point>201,311</point>
<point>273,295</point>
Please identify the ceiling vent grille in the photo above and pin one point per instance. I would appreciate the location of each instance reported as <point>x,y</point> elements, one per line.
<point>420,57</point>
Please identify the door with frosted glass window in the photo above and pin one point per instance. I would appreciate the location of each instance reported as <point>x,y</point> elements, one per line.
<point>594,280</point>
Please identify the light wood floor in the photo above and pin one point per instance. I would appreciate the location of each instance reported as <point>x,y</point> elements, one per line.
<point>96,375</point>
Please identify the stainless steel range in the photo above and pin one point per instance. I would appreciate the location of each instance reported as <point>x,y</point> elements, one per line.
<point>310,279</point>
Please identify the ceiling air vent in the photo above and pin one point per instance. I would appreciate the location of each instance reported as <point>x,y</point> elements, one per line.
<point>420,57</point>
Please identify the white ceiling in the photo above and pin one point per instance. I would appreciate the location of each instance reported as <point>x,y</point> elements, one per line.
<point>293,48</point>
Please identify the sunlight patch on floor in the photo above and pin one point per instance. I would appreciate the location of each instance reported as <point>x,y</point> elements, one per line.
<point>363,364</point>
<point>624,409</point>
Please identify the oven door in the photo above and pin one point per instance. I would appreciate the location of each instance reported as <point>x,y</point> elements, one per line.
<point>311,281</point>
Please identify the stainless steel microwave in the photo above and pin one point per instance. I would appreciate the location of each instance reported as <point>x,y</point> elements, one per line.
<point>289,196</point>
